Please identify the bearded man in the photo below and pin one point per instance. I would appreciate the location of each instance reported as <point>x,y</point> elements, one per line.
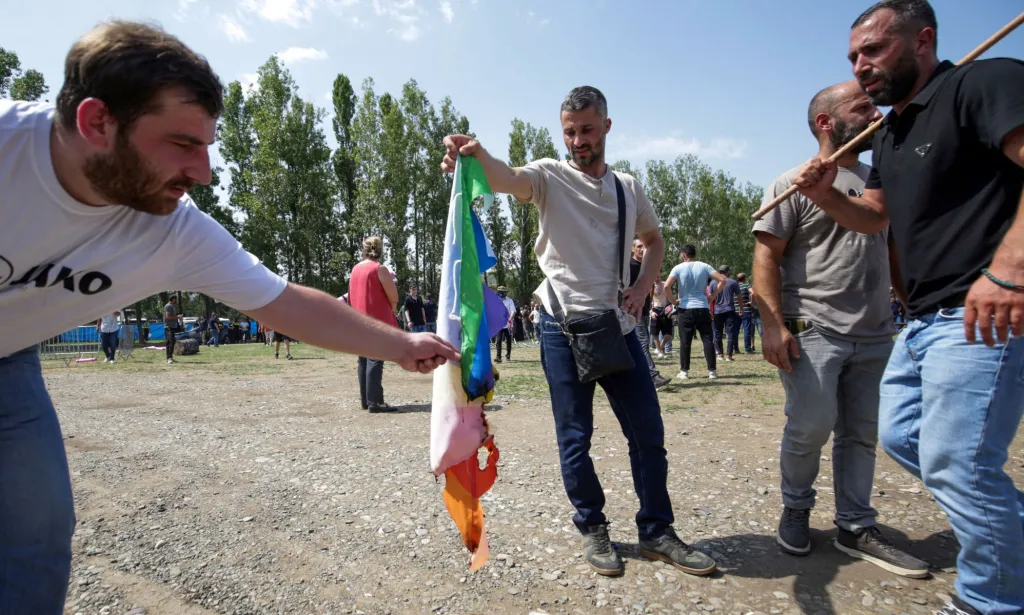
<point>823,291</point>
<point>96,216</point>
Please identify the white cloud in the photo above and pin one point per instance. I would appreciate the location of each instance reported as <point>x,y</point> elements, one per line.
<point>674,145</point>
<point>446,10</point>
<point>404,13</point>
<point>407,29</point>
<point>290,12</point>
<point>248,80</point>
<point>232,29</point>
<point>294,55</point>
<point>544,22</point>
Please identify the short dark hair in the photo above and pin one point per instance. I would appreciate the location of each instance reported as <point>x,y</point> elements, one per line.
<point>823,102</point>
<point>585,97</point>
<point>689,250</point>
<point>912,16</point>
<point>126,65</point>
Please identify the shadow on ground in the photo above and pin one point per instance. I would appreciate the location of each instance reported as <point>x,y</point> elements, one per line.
<point>758,556</point>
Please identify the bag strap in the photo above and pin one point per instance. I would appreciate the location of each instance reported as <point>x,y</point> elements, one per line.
<point>620,196</point>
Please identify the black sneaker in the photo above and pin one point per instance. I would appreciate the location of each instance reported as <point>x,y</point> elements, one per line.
<point>382,408</point>
<point>795,531</point>
<point>670,549</point>
<point>660,381</point>
<point>870,545</point>
<point>597,548</point>
<point>956,606</point>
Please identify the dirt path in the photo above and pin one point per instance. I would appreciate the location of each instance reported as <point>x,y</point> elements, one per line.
<point>234,483</point>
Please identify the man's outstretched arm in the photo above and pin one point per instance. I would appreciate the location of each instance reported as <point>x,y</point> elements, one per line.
<point>317,318</point>
<point>500,176</point>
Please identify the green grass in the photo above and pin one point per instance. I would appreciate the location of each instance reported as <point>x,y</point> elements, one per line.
<point>228,359</point>
<point>522,384</point>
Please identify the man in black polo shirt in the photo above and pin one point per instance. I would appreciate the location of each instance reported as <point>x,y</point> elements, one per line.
<point>948,168</point>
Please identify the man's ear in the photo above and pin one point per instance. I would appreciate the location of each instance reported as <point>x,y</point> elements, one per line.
<point>95,124</point>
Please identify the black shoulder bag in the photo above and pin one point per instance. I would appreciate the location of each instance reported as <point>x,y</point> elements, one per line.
<point>597,342</point>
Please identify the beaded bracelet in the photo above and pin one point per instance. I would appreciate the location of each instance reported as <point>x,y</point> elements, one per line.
<point>1002,283</point>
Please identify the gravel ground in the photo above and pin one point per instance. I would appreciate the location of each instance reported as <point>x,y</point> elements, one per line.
<point>234,483</point>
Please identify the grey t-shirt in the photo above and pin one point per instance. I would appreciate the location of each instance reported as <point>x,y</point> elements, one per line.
<point>170,316</point>
<point>834,277</point>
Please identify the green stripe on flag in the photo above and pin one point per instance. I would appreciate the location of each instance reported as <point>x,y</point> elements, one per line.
<point>471,290</point>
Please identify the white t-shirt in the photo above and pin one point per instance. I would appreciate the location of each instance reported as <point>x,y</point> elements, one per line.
<point>510,305</point>
<point>692,279</point>
<point>579,235</point>
<point>63,263</point>
<point>109,324</point>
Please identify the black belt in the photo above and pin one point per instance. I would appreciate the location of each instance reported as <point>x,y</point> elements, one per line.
<point>797,326</point>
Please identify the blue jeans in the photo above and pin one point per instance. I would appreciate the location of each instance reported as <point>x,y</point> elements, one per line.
<point>747,321</point>
<point>727,324</point>
<point>833,388</point>
<point>949,411</point>
<point>37,516</point>
<point>635,404</point>
<point>418,328</point>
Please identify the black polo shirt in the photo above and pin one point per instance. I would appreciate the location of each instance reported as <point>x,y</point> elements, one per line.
<point>950,190</point>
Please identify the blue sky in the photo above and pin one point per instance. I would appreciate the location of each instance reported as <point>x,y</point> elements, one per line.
<point>728,80</point>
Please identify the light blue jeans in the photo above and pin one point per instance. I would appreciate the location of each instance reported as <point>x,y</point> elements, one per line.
<point>949,411</point>
<point>833,388</point>
<point>37,516</point>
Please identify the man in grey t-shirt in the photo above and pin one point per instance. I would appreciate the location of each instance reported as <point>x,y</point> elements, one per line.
<point>823,291</point>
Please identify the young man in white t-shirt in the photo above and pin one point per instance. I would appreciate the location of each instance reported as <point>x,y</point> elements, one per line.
<point>94,208</point>
<point>584,273</point>
<point>109,326</point>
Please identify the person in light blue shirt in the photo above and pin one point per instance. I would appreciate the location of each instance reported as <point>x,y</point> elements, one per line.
<point>691,278</point>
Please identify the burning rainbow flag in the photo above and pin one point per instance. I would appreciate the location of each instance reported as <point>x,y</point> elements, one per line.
<point>468,319</point>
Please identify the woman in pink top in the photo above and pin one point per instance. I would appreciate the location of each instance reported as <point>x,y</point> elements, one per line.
<point>372,291</point>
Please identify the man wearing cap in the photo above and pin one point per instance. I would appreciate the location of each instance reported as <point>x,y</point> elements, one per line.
<point>506,332</point>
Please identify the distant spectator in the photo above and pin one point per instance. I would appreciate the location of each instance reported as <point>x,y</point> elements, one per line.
<point>430,308</point>
<point>171,325</point>
<point>415,311</point>
<point>372,291</point>
<point>214,327</point>
<point>108,327</point>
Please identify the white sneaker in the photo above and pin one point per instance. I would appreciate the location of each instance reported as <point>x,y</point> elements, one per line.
<point>660,355</point>
<point>169,361</point>
<point>682,375</point>
<point>728,359</point>
<point>712,375</point>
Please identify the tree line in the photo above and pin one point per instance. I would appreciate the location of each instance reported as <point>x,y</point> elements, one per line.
<point>304,207</point>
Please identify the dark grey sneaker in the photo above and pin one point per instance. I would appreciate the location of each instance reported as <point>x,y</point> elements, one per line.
<point>795,531</point>
<point>660,381</point>
<point>670,549</point>
<point>870,545</point>
<point>956,606</point>
<point>602,557</point>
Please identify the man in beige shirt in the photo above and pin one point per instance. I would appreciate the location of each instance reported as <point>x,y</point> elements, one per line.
<point>577,250</point>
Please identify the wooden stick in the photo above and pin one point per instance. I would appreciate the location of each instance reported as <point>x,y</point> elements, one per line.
<point>870,130</point>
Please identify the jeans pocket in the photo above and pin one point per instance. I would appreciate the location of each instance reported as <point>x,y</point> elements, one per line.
<point>950,314</point>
